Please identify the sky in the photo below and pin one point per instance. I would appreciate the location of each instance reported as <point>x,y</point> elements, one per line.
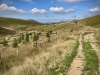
<point>49,10</point>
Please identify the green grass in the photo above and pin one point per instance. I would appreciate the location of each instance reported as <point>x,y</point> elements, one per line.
<point>51,27</point>
<point>98,43</point>
<point>92,21</point>
<point>67,61</point>
<point>9,62</point>
<point>91,60</point>
<point>19,23</point>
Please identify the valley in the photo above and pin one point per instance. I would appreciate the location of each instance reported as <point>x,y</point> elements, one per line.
<point>73,48</point>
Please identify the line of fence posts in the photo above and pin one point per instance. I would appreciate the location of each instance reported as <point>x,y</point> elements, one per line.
<point>36,43</point>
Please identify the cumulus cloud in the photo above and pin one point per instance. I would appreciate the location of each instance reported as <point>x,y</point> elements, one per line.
<point>70,1</point>
<point>60,10</point>
<point>9,9</point>
<point>96,9</point>
<point>38,11</point>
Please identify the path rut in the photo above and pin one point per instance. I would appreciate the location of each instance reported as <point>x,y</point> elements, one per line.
<point>77,64</point>
<point>91,38</point>
<point>97,52</point>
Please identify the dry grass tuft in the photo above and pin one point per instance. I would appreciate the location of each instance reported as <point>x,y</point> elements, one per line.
<point>97,34</point>
<point>46,61</point>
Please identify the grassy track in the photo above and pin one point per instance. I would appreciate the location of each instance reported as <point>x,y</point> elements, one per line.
<point>67,60</point>
<point>91,60</point>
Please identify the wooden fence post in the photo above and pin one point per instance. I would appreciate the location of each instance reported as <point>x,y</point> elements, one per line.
<point>35,44</point>
<point>17,52</point>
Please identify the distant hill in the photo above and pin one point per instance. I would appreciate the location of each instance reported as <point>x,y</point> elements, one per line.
<point>92,21</point>
<point>14,22</point>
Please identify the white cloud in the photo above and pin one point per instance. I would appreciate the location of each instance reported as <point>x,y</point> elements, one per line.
<point>70,1</point>
<point>60,10</point>
<point>9,9</point>
<point>96,9</point>
<point>38,11</point>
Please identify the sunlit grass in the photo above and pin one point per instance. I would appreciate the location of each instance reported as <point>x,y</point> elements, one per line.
<point>45,61</point>
<point>66,62</point>
<point>92,21</point>
<point>91,60</point>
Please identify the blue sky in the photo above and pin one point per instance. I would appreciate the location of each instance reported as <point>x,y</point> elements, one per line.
<point>49,10</point>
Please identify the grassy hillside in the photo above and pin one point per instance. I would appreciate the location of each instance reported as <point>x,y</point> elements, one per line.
<point>55,56</point>
<point>92,21</point>
<point>17,23</point>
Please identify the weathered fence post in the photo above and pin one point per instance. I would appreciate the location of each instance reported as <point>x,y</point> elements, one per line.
<point>39,45</point>
<point>17,52</point>
<point>35,44</point>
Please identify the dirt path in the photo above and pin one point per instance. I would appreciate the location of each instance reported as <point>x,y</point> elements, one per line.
<point>92,40</point>
<point>77,64</point>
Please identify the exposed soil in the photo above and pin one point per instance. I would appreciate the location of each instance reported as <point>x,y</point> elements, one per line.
<point>77,64</point>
